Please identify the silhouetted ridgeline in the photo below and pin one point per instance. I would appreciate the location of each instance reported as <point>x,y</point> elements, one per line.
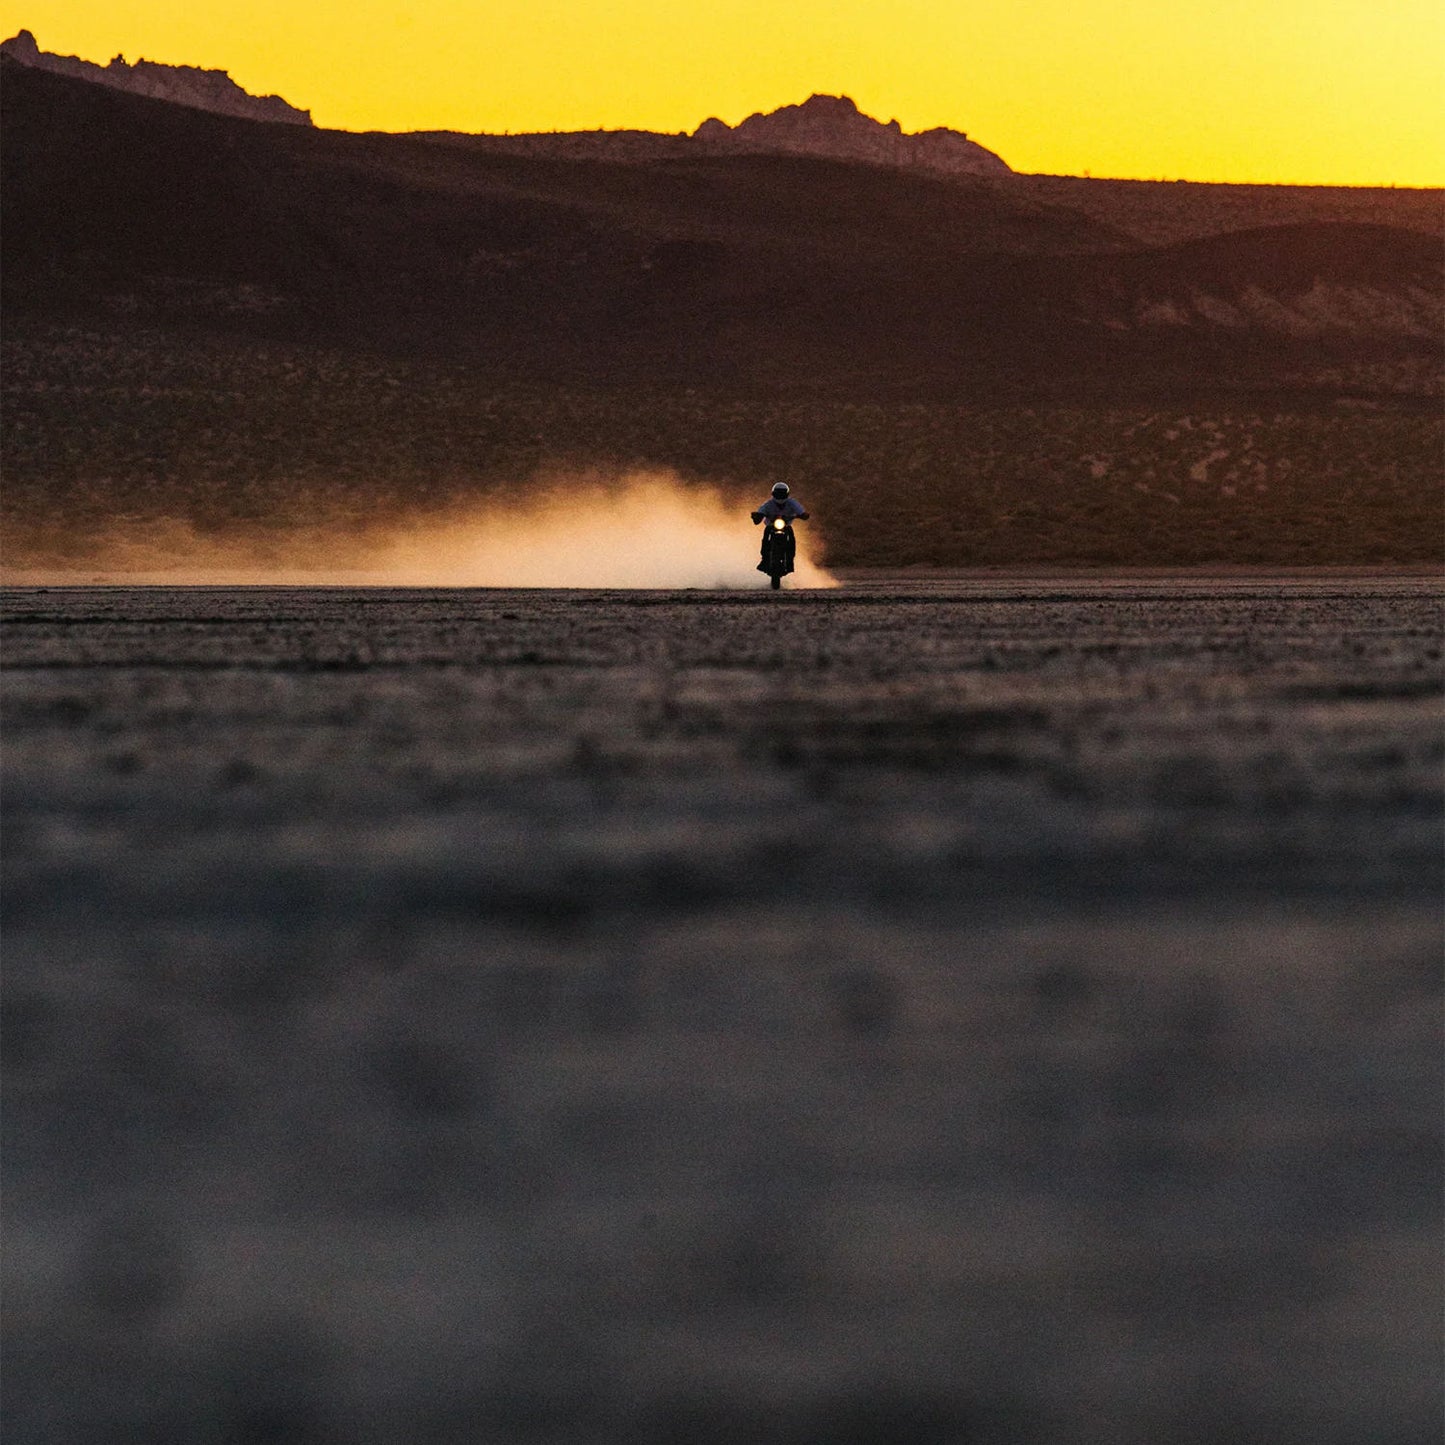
<point>188,85</point>
<point>735,267</point>
<point>826,127</point>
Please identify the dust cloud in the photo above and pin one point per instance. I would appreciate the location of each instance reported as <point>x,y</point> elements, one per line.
<point>638,530</point>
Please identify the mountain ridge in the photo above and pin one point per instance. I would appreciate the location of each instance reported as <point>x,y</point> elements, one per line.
<point>833,125</point>
<point>829,126</point>
<point>188,85</point>
<point>756,269</point>
<point>826,127</point>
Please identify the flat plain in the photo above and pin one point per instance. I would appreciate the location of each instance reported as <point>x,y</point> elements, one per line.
<point>986,1010</point>
<point>113,434</point>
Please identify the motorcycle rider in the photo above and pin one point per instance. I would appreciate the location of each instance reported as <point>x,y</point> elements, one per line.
<point>780,504</point>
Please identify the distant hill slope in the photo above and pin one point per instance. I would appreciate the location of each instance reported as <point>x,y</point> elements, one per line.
<point>1164,212</point>
<point>746,269</point>
<point>211,90</point>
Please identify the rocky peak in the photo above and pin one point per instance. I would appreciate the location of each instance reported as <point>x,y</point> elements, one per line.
<point>833,126</point>
<point>190,85</point>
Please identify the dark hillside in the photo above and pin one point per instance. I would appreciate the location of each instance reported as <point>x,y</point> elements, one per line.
<point>740,269</point>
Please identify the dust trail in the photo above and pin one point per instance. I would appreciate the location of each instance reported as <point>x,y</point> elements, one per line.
<point>640,530</point>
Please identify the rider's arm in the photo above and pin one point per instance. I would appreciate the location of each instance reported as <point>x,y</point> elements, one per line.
<point>802,516</point>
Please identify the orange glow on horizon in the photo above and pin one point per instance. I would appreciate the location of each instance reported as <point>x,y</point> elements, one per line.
<point>1345,92</point>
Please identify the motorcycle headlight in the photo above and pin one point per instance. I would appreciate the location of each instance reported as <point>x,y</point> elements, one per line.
<point>778,524</point>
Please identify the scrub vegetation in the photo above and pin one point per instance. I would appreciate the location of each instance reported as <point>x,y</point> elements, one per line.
<point>107,424</point>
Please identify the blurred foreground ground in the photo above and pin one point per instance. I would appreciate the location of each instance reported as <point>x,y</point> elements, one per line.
<point>924,1011</point>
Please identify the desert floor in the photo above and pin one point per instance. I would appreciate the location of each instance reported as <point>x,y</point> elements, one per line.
<point>934,1010</point>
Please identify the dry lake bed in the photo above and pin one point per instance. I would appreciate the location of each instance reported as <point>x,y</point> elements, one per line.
<point>955,1011</point>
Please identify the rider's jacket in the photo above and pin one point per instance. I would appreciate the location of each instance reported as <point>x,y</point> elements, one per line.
<point>787,509</point>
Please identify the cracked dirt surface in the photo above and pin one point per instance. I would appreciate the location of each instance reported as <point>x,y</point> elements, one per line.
<point>934,1010</point>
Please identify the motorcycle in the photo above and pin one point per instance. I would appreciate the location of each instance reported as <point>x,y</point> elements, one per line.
<point>779,548</point>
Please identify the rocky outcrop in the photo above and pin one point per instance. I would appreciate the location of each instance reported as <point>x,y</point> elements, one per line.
<point>211,90</point>
<point>832,126</point>
<point>828,126</point>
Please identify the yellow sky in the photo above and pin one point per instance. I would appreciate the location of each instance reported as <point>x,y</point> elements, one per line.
<point>1344,92</point>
